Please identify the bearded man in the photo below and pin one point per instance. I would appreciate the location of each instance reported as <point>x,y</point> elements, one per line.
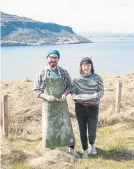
<point>53,85</point>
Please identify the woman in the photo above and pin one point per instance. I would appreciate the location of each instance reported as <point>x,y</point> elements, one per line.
<point>86,92</point>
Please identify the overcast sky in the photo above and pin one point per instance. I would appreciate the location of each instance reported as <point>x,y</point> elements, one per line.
<point>81,15</point>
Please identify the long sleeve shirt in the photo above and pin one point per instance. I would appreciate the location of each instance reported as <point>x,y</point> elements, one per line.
<point>88,85</point>
<point>39,84</point>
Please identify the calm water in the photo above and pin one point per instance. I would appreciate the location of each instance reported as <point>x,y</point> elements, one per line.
<point>108,57</point>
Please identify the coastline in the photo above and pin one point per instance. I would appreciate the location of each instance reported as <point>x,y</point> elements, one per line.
<point>8,44</point>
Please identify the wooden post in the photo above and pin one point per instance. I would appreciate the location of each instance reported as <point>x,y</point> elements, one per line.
<point>5,115</point>
<point>118,96</point>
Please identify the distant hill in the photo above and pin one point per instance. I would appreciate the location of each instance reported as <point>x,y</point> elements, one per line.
<point>17,30</point>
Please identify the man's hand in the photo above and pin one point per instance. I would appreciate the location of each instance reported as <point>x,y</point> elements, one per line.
<point>95,95</point>
<point>50,98</point>
<point>63,98</point>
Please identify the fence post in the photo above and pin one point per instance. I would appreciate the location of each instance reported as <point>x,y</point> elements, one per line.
<point>118,96</point>
<point>5,115</point>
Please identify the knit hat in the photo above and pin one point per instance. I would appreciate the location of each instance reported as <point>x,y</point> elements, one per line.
<point>54,51</point>
<point>86,59</point>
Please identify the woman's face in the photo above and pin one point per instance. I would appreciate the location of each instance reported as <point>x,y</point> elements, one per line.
<point>86,68</point>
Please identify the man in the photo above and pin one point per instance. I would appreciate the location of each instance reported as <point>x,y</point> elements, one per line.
<point>53,85</point>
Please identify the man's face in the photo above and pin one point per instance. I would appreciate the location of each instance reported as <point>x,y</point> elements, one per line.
<point>53,60</point>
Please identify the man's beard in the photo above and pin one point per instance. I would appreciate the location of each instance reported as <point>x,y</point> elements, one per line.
<point>52,64</point>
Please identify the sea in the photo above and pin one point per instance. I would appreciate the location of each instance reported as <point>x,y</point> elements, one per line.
<point>110,56</point>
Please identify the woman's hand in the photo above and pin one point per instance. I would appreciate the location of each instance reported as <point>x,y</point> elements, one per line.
<point>95,95</point>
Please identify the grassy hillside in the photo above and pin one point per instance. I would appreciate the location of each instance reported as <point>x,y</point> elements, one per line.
<point>115,145</point>
<point>115,134</point>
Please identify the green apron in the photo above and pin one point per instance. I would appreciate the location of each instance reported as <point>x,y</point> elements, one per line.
<point>56,123</point>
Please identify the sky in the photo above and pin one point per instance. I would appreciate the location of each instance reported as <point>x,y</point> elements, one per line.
<point>81,15</point>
